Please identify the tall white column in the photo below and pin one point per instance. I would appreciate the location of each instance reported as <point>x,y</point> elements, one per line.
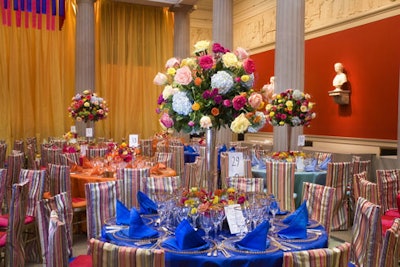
<point>182,30</point>
<point>223,34</point>
<point>289,60</point>
<point>84,61</point>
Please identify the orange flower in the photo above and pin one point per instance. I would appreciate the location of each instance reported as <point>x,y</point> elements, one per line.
<point>196,106</point>
<point>197,81</point>
<point>215,111</point>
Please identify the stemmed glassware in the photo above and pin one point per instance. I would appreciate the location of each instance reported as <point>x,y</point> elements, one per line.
<point>240,219</point>
<point>183,213</point>
<point>274,208</point>
<point>217,216</point>
<point>206,223</point>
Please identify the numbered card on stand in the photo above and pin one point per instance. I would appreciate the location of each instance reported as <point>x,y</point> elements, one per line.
<point>235,217</point>
<point>89,132</point>
<point>301,140</point>
<point>133,140</point>
<point>236,164</point>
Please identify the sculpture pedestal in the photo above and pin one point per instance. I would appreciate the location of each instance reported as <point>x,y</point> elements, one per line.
<point>341,97</point>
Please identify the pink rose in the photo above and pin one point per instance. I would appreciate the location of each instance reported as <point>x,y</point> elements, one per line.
<point>173,62</point>
<point>241,53</point>
<point>255,100</point>
<point>183,76</point>
<point>160,79</point>
<point>239,102</point>
<point>166,120</point>
<point>206,62</point>
<point>249,66</point>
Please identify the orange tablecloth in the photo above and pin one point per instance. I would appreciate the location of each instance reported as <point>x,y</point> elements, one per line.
<point>78,181</point>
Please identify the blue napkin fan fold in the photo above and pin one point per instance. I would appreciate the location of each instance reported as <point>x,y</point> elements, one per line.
<point>137,228</point>
<point>255,240</point>
<point>297,224</point>
<point>312,166</point>
<point>147,206</point>
<point>324,164</point>
<point>123,214</point>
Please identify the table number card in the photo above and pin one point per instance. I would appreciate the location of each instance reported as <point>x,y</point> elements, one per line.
<point>89,132</point>
<point>301,140</point>
<point>233,215</point>
<point>133,140</point>
<point>235,164</point>
<point>73,129</point>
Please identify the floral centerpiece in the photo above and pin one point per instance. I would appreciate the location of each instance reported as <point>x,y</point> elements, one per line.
<point>87,106</point>
<point>289,156</point>
<point>291,107</point>
<point>210,91</point>
<point>121,152</point>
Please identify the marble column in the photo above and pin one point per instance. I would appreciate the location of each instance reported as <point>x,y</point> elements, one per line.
<point>289,61</point>
<point>84,58</point>
<point>223,34</point>
<point>182,44</point>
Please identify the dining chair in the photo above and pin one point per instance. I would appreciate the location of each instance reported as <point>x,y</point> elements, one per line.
<point>319,203</point>
<point>51,154</point>
<point>280,182</point>
<point>62,205</point>
<point>338,176</point>
<point>361,166</point>
<point>13,245</point>
<point>321,257</point>
<point>388,182</point>
<point>322,156</point>
<point>164,157</point>
<point>390,252</point>
<point>101,201</point>
<point>368,190</point>
<point>69,159</point>
<point>366,234</point>
<point>129,184</point>
<point>19,145</point>
<point>32,141</point>
<point>3,180</point>
<point>146,147</point>
<point>57,142</point>
<point>32,163</point>
<point>192,173</point>
<point>96,152</point>
<point>178,159</point>
<point>3,152</point>
<point>246,184</point>
<point>224,162</point>
<point>154,186</point>
<point>15,162</point>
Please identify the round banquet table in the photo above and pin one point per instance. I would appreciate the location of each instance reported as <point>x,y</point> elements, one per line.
<point>273,256</point>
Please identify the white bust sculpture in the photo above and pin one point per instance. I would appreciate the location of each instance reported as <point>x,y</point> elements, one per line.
<point>340,78</point>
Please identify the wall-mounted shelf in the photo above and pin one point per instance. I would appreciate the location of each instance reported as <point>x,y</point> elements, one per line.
<point>341,97</point>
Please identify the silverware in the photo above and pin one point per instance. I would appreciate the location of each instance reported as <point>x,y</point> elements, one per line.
<point>278,244</point>
<point>290,245</point>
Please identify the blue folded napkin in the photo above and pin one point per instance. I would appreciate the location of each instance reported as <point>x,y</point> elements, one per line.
<point>147,206</point>
<point>137,228</point>
<point>301,208</point>
<point>123,214</point>
<point>189,154</point>
<point>254,160</point>
<point>297,227</point>
<point>324,164</point>
<point>186,238</point>
<point>189,149</point>
<point>255,240</point>
<point>312,166</point>
<point>220,150</point>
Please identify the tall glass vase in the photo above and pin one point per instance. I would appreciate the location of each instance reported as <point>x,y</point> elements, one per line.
<point>210,159</point>
<point>289,137</point>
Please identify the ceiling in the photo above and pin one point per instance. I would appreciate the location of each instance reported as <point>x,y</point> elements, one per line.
<point>166,3</point>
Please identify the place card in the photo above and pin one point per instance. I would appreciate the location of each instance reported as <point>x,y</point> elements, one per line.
<point>234,215</point>
<point>89,132</point>
<point>235,164</point>
<point>133,140</point>
<point>301,140</point>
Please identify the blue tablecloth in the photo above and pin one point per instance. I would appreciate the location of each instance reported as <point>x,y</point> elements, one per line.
<point>236,260</point>
<point>318,177</point>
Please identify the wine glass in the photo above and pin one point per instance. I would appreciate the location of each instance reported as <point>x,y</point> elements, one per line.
<point>240,220</point>
<point>206,223</point>
<point>274,208</point>
<point>183,213</point>
<point>216,219</point>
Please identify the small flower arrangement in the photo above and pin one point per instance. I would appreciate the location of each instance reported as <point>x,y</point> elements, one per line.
<point>291,107</point>
<point>201,200</point>
<point>122,152</point>
<point>87,106</point>
<point>289,156</point>
<point>209,91</point>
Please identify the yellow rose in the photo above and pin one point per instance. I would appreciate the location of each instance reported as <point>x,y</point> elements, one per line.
<point>193,210</point>
<point>215,200</point>
<point>303,108</point>
<point>87,104</point>
<point>123,144</point>
<point>86,92</point>
<point>201,46</point>
<point>240,124</point>
<point>171,71</point>
<point>271,114</point>
<point>281,123</point>
<point>245,78</point>
<point>230,190</point>
<point>268,107</point>
<point>194,189</point>
<point>289,103</point>
<point>229,60</point>
<point>196,106</point>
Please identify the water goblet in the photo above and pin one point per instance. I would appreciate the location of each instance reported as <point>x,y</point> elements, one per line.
<point>216,219</point>
<point>240,220</point>
<point>206,223</point>
<point>274,208</point>
<point>183,213</point>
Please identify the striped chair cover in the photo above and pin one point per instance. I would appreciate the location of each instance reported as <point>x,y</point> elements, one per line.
<point>57,142</point>
<point>357,177</point>
<point>192,173</point>
<point>225,168</point>
<point>319,203</point>
<point>96,152</point>
<point>19,145</point>
<point>245,150</point>
<point>3,187</point>
<point>32,164</point>
<point>36,180</point>
<point>146,147</point>
<point>321,156</point>
<point>57,242</point>
<point>3,152</point>
<point>390,251</point>
<point>164,157</point>
<point>337,177</point>
<point>15,162</point>
<point>51,155</point>
<point>32,141</point>
<point>129,184</point>
<point>388,182</point>
<point>150,257</point>
<point>62,205</point>
<point>69,159</point>
<point>322,257</point>
<point>15,252</point>
<point>280,182</point>
<point>361,166</point>
<point>101,201</point>
<point>367,235</point>
<point>153,186</point>
<point>246,184</point>
<point>369,191</point>
<point>178,160</point>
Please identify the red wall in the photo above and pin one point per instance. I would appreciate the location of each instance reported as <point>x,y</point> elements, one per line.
<point>371,57</point>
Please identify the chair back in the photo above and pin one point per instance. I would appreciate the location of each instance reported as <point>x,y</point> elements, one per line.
<point>366,234</point>
<point>69,159</point>
<point>57,242</point>
<point>146,147</point>
<point>36,180</point>
<point>62,204</point>
<point>338,176</point>
<point>58,179</point>
<point>390,252</point>
<point>322,156</point>
<point>154,186</point>
<point>369,191</point>
<point>101,201</point>
<point>164,157</point>
<point>356,183</point>
<point>50,154</point>
<point>361,166</point>
<point>319,203</point>
<point>178,159</point>
<point>3,152</point>
<point>15,252</point>
<point>246,184</point>
<point>32,141</point>
<point>224,159</point>
<point>192,173</point>
<point>3,187</point>
<point>19,145</point>
<point>96,152</point>
<point>388,182</point>
<point>15,162</point>
<point>280,182</point>
<point>32,164</point>
<point>129,184</point>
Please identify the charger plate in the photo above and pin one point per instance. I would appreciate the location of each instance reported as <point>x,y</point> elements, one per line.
<point>121,237</point>
<point>310,238</point>
<point>191,252</point>
<point>113,221</point>
<point>229,244</point>
<point>311,224</point>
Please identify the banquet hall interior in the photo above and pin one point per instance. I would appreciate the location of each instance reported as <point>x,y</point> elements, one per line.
<point>89,99</point>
